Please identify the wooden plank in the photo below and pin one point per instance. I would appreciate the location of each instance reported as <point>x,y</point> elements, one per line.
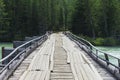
<point>60,62</point>
<point>68,54</point>
<point>23,76</point>
<point>80,72</point>
<point>51,57</point>
<point>47,76</point>
<point>73,69</point>
<point>83,69</point>
<point>80,64</point>
<point>71,59</point>
<point>91,68</point>
<point>39,73</point>
<point>95,71</point>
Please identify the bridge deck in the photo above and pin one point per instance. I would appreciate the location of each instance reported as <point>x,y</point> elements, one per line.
<point>58,59</point>
<point>61,70</point>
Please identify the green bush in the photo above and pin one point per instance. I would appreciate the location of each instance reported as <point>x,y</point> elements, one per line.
<point>102,41</point>
<point>110,42</point>
<point>98,41</point>
<point>87,38</point>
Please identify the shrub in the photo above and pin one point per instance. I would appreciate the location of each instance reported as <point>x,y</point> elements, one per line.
<point>98,42</point>
<point>91,40</point>
<point>110,42</point>
<point>102,41</point>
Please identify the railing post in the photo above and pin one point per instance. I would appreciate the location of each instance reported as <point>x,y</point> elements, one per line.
<point>90,49</point>
<point>25,47</point>
<point>3,53</point>
<point>107,59</point>
<point>8,68</point>
<point>97,53</point>
<point>30,45</point>
<point>119,64</point>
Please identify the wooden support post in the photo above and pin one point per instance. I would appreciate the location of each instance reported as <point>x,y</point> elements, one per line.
<point>2,55</point>
<point>3,52</point>
<point>91,49</point>
<point>119,64</point>
<point>107,59</point>
<point>18,53</point>
<point>30,45</point>
<point>97,53</point>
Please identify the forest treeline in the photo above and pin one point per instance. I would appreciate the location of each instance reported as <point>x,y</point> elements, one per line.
<point>94,18</point>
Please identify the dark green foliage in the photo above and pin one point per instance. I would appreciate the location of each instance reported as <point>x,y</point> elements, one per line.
<point>33,17</point>
<point>99,41</point>
<point>4,24</point>
<point>109,41</point>
<point>93,18</point>
<point>97,18</point>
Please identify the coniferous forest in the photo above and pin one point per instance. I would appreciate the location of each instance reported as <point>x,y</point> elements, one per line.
<point>92,18</point>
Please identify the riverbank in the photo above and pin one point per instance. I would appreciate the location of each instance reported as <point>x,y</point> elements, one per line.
<point>99,41</point>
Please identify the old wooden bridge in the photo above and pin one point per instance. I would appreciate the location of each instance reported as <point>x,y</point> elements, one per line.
<point>59,56</point>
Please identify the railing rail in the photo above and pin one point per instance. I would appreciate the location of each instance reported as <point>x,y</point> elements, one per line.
<point>109,59</point>
<point>18,55</point>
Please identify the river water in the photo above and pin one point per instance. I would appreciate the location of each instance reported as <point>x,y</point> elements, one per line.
<point>114,51</point>
<point>8,45</point>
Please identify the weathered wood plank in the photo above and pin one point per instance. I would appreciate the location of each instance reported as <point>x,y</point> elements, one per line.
<point>61,70</point>
<point>79,63</point>
<point>39,67</point>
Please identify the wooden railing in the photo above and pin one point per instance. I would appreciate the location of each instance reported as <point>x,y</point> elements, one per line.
<point>18,55</point>
<point>107,60</point>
